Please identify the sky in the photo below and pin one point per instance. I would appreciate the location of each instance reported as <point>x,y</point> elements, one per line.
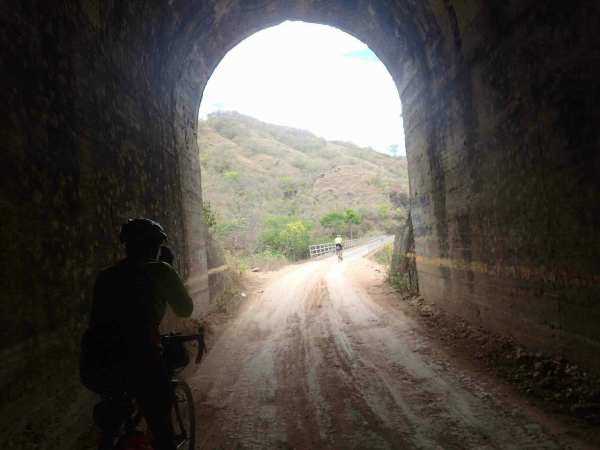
<point>312,77</point>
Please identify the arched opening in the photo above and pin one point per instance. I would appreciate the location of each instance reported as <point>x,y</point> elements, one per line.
<point>299,124</point>
<point>400,63</point>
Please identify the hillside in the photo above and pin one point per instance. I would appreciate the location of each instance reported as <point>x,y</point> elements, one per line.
<point>252,170</point>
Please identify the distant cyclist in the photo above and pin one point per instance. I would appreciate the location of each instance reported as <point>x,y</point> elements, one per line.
<point>338,246</point>
<point>121,349</point>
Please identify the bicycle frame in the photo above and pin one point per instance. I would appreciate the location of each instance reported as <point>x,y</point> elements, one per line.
<point>118,416</point>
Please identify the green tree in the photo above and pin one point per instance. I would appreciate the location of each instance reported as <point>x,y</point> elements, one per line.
<point>287,235</point>
<point>393,149</point>
<point>232,175</point>
<point>210,218</point>
<point>352,217</point>
<point>288,186</point>
<point>233,233</point>
<point>334,221</point>
<point>384,211</point>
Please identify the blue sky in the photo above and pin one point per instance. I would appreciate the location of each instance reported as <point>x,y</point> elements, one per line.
<point>364,54</point>
<point>312,77</point>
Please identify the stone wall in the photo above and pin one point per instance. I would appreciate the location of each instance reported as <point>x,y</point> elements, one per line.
<point>504,181</point>
<point>87,142</point>
<point>101,101</point>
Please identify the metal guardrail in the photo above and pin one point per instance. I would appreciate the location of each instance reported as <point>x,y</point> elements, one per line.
<point>329,247</point>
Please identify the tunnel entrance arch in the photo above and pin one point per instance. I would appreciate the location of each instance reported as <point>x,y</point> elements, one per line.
<point>392,39</point>
<point>307,89</point>
<point>468,153</point>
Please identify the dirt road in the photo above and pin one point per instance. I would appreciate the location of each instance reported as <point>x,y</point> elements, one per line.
<point>314,362</point>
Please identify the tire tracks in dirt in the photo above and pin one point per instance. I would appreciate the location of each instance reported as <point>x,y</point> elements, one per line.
<point>315,363</point>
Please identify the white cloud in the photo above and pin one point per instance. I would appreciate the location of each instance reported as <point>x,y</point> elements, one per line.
<point>312,77</point>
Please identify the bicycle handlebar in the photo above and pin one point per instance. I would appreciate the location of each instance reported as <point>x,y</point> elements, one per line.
<point>179,338</point>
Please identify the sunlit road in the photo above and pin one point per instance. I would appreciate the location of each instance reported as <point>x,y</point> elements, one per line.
<point>315,363</point>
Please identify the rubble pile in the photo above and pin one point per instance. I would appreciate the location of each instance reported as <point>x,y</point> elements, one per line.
<point>565,387</point>
<point>552,378</point>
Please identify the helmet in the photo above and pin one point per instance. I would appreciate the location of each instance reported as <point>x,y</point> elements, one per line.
<point>140,230</point>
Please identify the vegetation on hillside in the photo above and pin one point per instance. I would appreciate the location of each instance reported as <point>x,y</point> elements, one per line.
<point>275,189</point>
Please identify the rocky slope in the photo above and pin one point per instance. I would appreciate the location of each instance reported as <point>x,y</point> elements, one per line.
<point>252,170</point>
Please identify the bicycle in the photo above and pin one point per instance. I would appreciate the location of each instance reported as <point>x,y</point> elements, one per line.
<point>122,424</point>
<point>338,252</point>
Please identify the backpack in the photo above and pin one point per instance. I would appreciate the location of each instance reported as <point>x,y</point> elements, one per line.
<point>101,360</point>
<point>103,345</point>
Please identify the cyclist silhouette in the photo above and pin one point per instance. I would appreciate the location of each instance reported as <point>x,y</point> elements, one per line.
<point>339,247</point>
<point>121,348</point>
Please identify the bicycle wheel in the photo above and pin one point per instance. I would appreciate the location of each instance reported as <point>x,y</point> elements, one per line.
<point>183,416</point>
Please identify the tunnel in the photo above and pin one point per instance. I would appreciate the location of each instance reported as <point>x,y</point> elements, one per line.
<point>500,104</point>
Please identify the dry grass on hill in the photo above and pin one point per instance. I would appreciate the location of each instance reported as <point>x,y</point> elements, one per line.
<point>252,170</point>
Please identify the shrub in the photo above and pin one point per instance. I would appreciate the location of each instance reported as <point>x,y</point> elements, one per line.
<point>288,186</point>
<point>232,175</point>
<point>384,256</point>
<point>384,211</point>
<point>334,221</point>
<point>286,235</point>
<point>210,218</point>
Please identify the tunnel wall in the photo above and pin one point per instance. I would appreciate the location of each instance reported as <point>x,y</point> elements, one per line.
<point>504,162</point>
<point>87,142</point>
<point>100,125</point>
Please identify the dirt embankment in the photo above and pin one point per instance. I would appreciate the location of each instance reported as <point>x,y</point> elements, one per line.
<point>551,384</point>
